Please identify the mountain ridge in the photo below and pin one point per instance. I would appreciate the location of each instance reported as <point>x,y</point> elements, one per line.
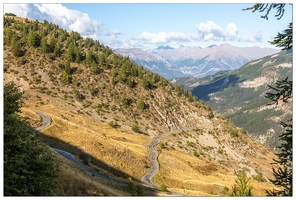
<point>195,61</point>
<point>242,86</point>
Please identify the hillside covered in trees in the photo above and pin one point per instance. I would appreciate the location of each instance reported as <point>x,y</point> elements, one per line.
<point>107,111</point>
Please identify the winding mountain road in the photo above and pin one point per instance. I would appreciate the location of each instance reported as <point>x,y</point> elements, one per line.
<point>154,154</point>
<point>155,165</point>
<point>46,122</point>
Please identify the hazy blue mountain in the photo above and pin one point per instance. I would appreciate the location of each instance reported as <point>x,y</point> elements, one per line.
<point>194,61</point>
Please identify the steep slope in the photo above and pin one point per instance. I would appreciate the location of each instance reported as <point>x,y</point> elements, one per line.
<point>106,110</point>
<point>239,95</point>
<point>195,61</point>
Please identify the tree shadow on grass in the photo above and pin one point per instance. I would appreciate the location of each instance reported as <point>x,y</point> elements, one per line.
<point>85,161</point>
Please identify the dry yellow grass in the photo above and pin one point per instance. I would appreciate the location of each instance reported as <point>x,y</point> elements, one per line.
<point>197,177</point>
<point>127,153</point>
<point>74,181</point>
<point>122,151</point>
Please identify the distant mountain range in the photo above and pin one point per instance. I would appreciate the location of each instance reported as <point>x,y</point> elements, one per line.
<point>239,95</point>
<point>194,61</point>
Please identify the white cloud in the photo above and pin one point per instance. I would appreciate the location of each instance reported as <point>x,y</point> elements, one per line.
<point>231,32</point>
<point>74,20</point>
<point>209,37</point>
<point>255,36</point>
<point>71,20</point>
<point>18,9</point>
<point>164,37</point>
<point>211,31</point>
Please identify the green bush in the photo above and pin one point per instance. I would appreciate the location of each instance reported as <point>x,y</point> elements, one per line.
<point>136,129</point>
<point>113,124</point>
<point>163,188</point>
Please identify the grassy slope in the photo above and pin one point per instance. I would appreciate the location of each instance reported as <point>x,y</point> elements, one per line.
<point>81,126</point>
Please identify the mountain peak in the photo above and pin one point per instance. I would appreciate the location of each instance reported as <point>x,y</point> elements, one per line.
<point>164,47</point>
<point>213,45</point>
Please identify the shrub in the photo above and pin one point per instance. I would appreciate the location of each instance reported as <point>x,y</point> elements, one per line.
<point>233,132</point>
<point>220,151</point>
<point>113,124</point>
<point>195,154</point>
<point>136,129</point>
<point>163,188</point>
<point>259,177</point>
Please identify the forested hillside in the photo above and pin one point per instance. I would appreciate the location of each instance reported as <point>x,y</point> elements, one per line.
<point>107,111</point>
<point>239,95</point>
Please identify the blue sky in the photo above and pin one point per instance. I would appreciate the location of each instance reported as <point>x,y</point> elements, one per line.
<point>149,25</point>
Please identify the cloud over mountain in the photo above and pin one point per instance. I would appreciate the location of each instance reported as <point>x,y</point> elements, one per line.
<point>74,20</point>
<point>71,20</point>
<point>211,31</point>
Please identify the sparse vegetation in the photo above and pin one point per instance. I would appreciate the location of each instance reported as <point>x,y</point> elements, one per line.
<point>88,91</point>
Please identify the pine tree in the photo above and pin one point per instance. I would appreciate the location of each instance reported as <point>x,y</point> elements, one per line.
<point>242,186</point>
<point>282,170</point>
<point>33,39</point>
<point>29,167</point>
<point>70,55</point>
<point>44,46</point>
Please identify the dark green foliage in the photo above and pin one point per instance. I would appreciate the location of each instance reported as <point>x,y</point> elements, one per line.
<point>9,14</point>
<point>33,39</point>
<point>12,99</point>
<point>44,46</point>
<point>141,104</point>
<point>84,157</point>
<point>242,186</point>
<point>29,167</point>
<point>259,177</point>
<point>79,96</point>
<point>282,171</point>
<point>113,124</point>
<point>283,91</point>
<point>163,188</point>
<point>239,104</point>
<point>66,78</point>
<point>70,55</point>
<point>262,7</point>
<point>17,50</point>
<point>211,114</point>
<point>285,39</point>
<point>233,132</point>
<point>135,190</point>
<point>57,49</point>
<point>136,129</point>
<point>195,154</point>
<point>125,100</point>
<point>146,84</point>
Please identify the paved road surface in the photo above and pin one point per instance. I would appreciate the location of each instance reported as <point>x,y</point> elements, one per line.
<point>154,154</point>
<point>46,122</point>
<point>146,179</point>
